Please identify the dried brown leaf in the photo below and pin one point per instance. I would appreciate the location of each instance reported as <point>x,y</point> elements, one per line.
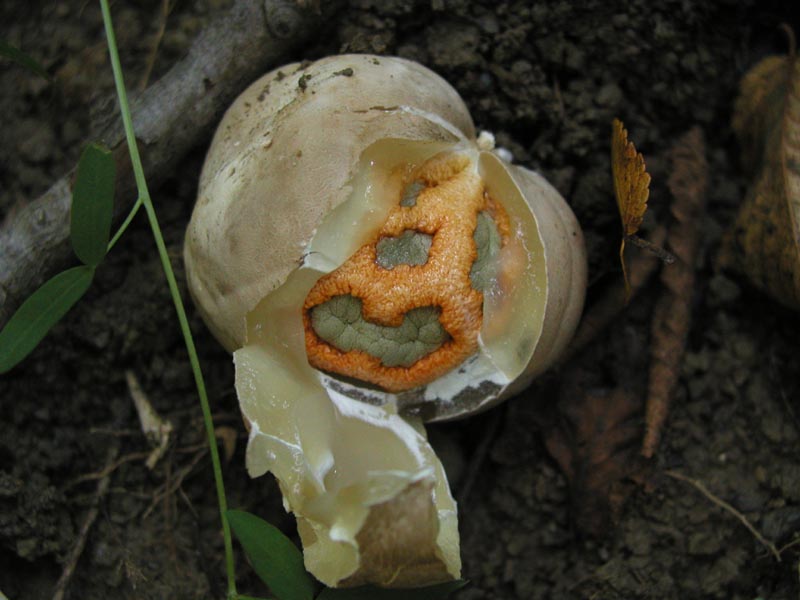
<point>227,435</point>
<point>672,314</point>
<point>595,443</point>
<point>761,94</point>
<point>763,243</point>
<point>631,180</point>
<point>631,186</point>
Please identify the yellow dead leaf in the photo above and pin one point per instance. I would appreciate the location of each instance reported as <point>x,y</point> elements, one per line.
<point>631,187</point>
<point>763,242</point>
<point>631,181</point>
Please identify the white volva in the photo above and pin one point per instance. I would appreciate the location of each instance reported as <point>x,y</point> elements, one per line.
<point>301,173</point>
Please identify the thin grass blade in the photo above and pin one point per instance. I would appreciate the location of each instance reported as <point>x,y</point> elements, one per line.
<point>37,315</point>
<point>275,559</point>
<point>92,204</point>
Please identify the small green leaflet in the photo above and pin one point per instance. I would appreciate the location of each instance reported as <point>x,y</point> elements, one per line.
<point>275,559</point>
<point>19,57</point>
<point>90,227</point>
<point>433,592</point>
<point>37,315</point>
<point>92,204</point>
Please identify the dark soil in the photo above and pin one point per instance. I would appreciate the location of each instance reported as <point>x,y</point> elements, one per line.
<point>547,78</point>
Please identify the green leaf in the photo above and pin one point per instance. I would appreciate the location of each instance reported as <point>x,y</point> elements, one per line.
<point>23,59</point>
<point>433,592</point>
<point>276,560</point>
<point>37,315</point>
<point>92,204</point>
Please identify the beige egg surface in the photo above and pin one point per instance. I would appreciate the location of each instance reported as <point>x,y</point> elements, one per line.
<point>373,266</point>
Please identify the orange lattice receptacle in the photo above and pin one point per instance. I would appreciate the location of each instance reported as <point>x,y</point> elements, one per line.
<point>447,209</point>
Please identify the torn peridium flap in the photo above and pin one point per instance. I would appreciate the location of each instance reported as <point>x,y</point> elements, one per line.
<point>370,496</point>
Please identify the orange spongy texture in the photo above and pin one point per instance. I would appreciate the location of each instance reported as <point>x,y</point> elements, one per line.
<point>447,209</point>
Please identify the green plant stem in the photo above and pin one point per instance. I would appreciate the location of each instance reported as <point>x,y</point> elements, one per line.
<point>144,196</point>
<point>125,223</point>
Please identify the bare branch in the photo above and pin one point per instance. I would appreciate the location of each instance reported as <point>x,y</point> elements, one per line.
<point>173,115</point>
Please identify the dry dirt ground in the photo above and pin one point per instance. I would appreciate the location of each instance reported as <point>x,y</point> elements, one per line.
<point>546,77</point>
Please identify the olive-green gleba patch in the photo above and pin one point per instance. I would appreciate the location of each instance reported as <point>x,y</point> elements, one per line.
<point>488,242</point>
<point>409,248</point>
<point>339,322</point>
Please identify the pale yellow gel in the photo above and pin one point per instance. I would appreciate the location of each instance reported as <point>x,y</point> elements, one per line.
<point>514,308</point>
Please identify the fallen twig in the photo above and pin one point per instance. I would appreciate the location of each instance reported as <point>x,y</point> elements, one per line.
<point>789,545</point>
<point>173,115</point>
<point>672,314</point>
<point>109,468</point>
<point>172,485</point>
<point>698,485</point>
<point>91,516</point>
